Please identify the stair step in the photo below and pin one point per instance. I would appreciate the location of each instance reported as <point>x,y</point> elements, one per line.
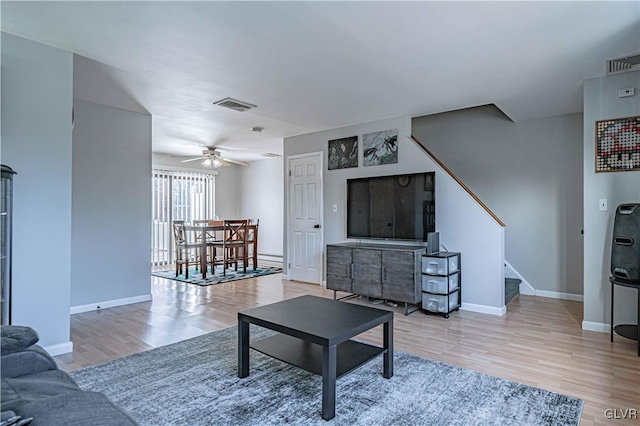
<point>511,288</point>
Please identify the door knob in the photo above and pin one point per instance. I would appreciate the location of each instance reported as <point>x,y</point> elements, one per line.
<point>317,226</point>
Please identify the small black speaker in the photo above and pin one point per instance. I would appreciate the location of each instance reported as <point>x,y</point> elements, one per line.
<point>433,242</point>
<point>625,249</point>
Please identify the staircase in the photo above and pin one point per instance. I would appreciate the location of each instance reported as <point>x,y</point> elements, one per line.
<point>511,288</point>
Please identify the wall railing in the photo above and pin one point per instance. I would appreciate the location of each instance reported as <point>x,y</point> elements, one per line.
<point>446,169</point>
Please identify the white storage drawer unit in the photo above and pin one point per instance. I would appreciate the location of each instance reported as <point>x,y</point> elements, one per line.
<point>441,303</point>
<point>440,265</point>
<point>440,285</point>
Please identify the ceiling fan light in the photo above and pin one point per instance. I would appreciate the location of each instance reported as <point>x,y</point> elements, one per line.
<point>207,162</point>
<point>216,163</point>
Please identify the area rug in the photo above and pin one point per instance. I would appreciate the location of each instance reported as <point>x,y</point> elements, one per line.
<point>195,277</point>
<point>195,382</point>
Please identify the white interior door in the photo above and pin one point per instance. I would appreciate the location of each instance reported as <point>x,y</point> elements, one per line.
<point>305,218</point>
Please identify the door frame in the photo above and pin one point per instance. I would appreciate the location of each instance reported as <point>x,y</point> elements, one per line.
<point>287,204</point>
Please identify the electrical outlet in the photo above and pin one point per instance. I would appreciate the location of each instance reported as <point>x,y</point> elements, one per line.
<point>629,91</point>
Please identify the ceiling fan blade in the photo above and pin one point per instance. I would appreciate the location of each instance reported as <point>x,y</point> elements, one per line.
<point>222,162</point>
<point>193,159</point>
<point>240,163</point>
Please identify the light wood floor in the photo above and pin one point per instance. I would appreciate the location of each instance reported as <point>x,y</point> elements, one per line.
<point>539,342</point>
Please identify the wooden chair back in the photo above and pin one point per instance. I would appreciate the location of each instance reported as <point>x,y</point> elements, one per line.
<point>179,234</point>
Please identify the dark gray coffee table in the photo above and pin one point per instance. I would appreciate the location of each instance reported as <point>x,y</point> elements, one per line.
<point>314,335</point>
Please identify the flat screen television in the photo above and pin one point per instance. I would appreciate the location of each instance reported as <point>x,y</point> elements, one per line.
<point>398,207</point>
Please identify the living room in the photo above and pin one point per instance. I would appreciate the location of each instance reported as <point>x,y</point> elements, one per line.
<point>92,190</point>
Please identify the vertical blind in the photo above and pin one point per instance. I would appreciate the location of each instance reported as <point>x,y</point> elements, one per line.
<point>177,195</point>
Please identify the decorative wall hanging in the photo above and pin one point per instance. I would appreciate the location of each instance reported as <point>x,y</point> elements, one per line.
<point>343,153</point>
<point>618,144</point>
<point>380,148</point>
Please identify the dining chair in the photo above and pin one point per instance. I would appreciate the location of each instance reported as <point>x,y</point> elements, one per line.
<point>251,239</point>
<point>210,236</point>
<point>233,244</point>
<point>183,248</point>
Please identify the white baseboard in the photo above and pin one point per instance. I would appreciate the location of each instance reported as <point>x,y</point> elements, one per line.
<point>286,277</point>
<point>270,257</point>
<point>483,309</point>
<point>59,349</point>
<point>110,304</point>
<point>526,289</point>
<point>596,326</point>
<point>558,295</point>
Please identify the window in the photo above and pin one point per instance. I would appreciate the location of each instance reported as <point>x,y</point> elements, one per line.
<point>177,196</point>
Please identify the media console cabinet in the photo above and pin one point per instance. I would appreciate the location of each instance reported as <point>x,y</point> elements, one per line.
<point>384,271</point>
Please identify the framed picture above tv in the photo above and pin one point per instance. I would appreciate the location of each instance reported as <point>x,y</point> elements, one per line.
<point>397,207</point>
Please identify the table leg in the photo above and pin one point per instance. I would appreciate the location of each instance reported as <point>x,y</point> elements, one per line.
<point>243,348</point>
<point>255,248</point>
<point>203,255</point>
<point>329,360</point>
<point>388,345</point>
<point>611,328</point>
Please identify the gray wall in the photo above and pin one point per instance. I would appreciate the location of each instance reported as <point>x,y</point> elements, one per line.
<point>463,225</point>
<point>36,142</point>
<point>601,102</point>
<point>111,229</point>
<point>261,196</point>
<point>530,175</point>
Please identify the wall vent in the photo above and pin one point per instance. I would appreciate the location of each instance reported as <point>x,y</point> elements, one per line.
<point>234,104</point>
<point>624,64</point>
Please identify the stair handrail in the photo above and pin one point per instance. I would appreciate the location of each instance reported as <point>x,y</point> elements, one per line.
<point>446,169</point>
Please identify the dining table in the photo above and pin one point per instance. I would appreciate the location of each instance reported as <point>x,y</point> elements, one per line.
<point>208,230</point>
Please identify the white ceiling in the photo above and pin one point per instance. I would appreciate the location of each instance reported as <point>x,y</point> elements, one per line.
<point>311,66</point>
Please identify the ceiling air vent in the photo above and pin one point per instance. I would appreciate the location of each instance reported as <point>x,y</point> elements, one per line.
<point>271,155</point>
<point>234,104</point>
<point>624,64</point>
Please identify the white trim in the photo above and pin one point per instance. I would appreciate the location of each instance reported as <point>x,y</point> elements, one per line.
<point>596,326</point>
<point>483,309</point>
<point>59,349</point>
<point>110,304</point>
<point>270,257</point>
<point>525,287</point>
<point>558,295</point>
<point>285,277</point>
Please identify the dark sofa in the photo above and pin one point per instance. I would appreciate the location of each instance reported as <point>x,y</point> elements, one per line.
<point>34,387</point>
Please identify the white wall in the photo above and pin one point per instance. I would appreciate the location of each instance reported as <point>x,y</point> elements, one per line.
<point>530,176</point>
<point>36,142</point>
<point>111,229</point>
<point>261,196</point>
<point>601,101</point>
<point>227,183</point>
<point>463,225</point>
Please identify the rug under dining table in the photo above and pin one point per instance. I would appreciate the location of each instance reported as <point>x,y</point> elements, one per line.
<point>195,277</point>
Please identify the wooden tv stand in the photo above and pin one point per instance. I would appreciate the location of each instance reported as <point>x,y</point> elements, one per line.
<point>384,271</point>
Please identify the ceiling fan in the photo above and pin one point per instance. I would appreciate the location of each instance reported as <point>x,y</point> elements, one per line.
<point>212,158</point>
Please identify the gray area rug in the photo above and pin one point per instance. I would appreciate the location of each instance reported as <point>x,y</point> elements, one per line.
<point>195,382</point>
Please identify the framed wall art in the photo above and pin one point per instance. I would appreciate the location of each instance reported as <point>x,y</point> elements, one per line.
<point>380,148</point>
<point>343,153</point>
<point>618,144</point>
